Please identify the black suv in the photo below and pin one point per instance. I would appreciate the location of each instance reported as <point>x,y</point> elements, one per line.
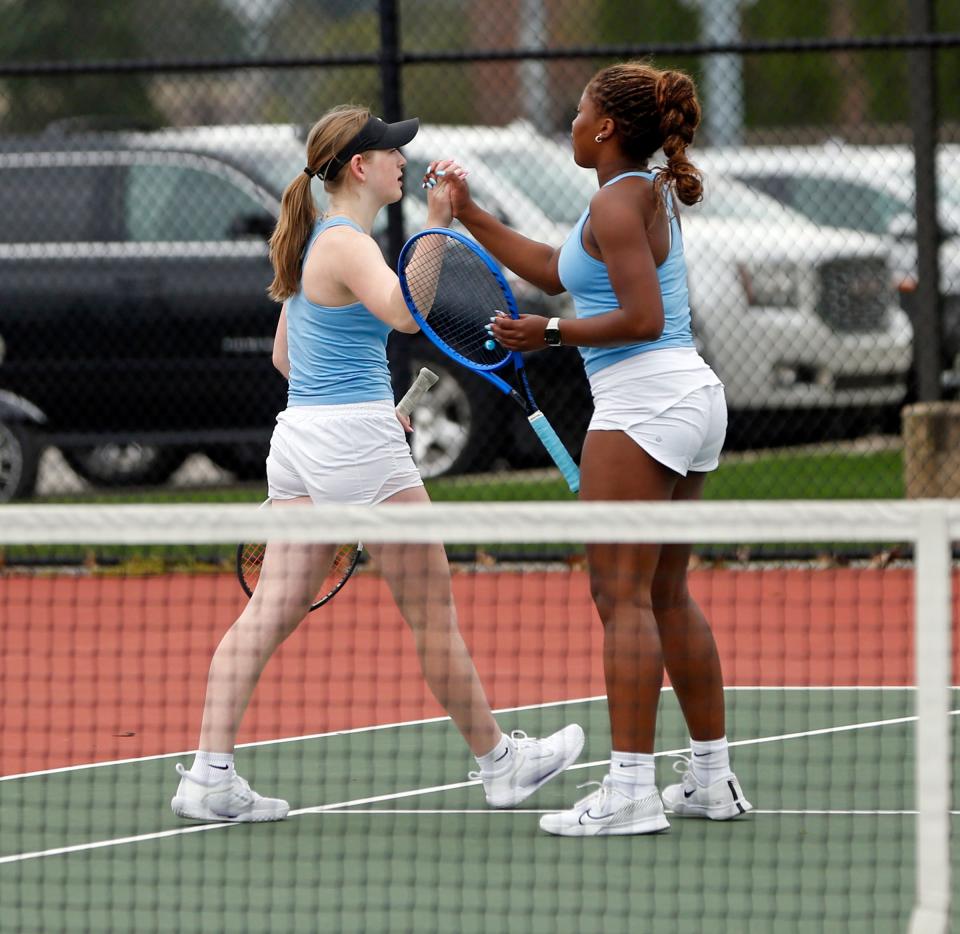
<point>135,327</point>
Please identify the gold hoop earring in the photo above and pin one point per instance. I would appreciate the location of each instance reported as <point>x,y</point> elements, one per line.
<point>598,138</point>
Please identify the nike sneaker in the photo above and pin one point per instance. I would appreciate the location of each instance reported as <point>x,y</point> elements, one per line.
<point>608,811</point>
<point>723,800</point>
<point>529,765</point>
<point>229,800</point>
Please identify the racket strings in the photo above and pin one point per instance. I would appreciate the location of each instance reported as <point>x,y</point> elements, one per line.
<point>457,293</point>
<point>345,559</point>
<point>341,568</point>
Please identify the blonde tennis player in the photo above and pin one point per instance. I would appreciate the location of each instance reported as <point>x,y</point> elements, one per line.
<point>340,441</point>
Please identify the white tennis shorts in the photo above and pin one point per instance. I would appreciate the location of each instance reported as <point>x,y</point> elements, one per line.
<point>687,435</point>
<point>353,454</point>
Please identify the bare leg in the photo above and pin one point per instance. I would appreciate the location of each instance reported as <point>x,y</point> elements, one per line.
<point>621,576</point>
<point>289,579</point>
<point>689,649</point>
<point>419,579</point>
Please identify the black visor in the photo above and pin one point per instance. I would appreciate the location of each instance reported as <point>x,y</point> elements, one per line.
<point>374,134</point>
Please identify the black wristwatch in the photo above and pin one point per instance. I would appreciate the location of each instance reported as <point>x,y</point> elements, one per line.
<point>551,333</point>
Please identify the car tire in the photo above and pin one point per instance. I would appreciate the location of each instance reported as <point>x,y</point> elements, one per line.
<point>128,464</point>
<point>19,456</point>
<point>453,431</point>
<point>246,461</point>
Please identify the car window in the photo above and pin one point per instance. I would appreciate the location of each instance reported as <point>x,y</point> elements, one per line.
<point>833,202</point>
<point>948,190</point>
<point>556,186</point>
<point>727,199</point>
<point>168,203</point>
<point>277,171</point>
<point>54,204</point>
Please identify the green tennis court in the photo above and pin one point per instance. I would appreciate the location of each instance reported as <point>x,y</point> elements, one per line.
<point>388,834</point>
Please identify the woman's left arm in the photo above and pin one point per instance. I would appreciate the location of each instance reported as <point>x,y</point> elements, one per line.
<point>619,226</point>
<point>280,358</point>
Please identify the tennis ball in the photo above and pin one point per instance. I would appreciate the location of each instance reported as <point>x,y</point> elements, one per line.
<point>490,345</point>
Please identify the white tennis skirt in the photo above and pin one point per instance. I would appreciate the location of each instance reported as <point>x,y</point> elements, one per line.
<point>354,454</point>
<point>669,402</point>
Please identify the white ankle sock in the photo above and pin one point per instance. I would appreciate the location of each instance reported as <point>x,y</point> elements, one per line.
<point>710,760</point>
<point>498,757</point>
<point>633,773</point>
<point>212,766</point>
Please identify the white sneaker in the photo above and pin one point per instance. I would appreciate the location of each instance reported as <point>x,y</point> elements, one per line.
<point>722,800</point>
<point>608,811</point>
<point>533,763</point>
<point>229,800</point>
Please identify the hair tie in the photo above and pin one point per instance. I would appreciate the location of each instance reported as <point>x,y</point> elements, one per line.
<point>308,173</point>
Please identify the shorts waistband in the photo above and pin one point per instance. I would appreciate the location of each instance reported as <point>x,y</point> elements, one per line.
<point>345,408</point>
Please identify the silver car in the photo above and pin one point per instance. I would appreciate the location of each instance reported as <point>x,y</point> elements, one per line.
<point>792,315</point>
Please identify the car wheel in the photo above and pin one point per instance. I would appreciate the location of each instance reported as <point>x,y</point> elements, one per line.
<point>125,464</point>
<point>451,433</point>
<point>246,461</point>
<point>18,461</point>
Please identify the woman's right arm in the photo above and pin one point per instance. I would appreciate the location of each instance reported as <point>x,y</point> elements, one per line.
<point>529,259</point>
<point>362,270</point>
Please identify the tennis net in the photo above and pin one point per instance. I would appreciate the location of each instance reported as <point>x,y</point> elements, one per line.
<point>835,626</point>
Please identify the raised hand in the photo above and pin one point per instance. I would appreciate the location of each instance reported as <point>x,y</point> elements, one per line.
<point>448,179</point>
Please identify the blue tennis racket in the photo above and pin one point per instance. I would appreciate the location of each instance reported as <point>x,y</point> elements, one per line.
<point>452,287</point>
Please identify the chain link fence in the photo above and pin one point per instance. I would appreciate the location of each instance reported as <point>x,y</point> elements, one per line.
<point>144,148</point>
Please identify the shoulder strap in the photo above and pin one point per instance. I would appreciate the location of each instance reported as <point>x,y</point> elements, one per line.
<point>647,175</point>
<point>338,221</point>
<point>668,197</point>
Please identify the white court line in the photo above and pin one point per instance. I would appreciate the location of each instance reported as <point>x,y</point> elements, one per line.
<point>345,806</point>
<point>776,739</point>
<point>401,723</point>
<point>292,739</point>
<point>495,811</point>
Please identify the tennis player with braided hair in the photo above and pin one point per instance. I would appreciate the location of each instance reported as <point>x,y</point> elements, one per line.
<point>658,427</point>
<point>340,441</point>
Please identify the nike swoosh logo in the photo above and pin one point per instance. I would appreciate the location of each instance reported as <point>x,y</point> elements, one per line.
<point>589,815</point>
<point>687,794</point>
<point>222,768</point>
<point>506,752</point>
<point>700,755</point>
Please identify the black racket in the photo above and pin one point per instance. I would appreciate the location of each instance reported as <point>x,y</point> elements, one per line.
<point>347,557</point>
<point>345,561</point>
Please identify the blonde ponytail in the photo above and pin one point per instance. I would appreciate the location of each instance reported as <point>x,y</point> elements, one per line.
<point>298,211</point>
<point>298,214</point>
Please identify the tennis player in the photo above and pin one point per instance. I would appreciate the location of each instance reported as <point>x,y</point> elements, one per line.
<point>658,427</point>
<point>340,441</point>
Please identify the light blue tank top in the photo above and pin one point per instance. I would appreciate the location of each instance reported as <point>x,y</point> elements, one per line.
<point>338,354</point>
<point>587,281</point>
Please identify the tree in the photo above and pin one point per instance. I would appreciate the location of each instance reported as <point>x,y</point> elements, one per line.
<point>48,30</point>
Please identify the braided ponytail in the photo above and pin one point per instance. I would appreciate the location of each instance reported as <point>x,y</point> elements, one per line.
<point>653,109</point>
<point>679,112</point>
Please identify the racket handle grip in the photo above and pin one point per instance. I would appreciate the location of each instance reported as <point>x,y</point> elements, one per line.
<point>425,379</point>
<point>553,444</point>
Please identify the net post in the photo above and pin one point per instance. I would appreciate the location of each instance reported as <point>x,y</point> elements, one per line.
<point>933,662</point>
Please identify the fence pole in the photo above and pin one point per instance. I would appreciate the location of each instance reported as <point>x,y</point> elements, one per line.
<point>391,91</point>
<point>927,327</point>
<point>398,348</point>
